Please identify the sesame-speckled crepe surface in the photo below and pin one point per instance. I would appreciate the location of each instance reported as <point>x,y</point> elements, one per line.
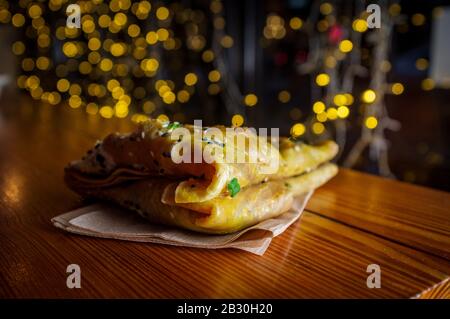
<point>147,151</point>
<point>136,171</point>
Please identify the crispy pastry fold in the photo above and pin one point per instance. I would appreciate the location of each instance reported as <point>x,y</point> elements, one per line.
<point>137,171</point>
<point>147,153</point>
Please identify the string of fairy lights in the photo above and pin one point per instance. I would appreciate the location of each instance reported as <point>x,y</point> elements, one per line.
<point>116,64</point>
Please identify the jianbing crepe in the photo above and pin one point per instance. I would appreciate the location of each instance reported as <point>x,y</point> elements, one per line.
<point>154,199</point>
<point>147,152</point>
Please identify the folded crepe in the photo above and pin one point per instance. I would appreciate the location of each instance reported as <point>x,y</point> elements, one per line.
<point>138,171</point>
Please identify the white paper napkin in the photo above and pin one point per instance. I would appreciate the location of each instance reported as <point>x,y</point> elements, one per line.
<point>107,221</point>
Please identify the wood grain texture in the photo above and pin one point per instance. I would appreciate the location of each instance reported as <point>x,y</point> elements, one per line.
<point>353,221</point>
<point>411,215</point>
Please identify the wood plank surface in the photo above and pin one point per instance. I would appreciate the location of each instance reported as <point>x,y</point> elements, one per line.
<point>411,215</point>
<point>353,221</point>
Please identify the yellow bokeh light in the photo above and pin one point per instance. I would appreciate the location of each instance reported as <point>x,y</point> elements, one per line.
<point>332,113</point>
<point>162,13</point>
<point>359,25</point>
<point>42,63</point>
<point>18,20</point>
<point>148,107</point>
<point>43,40</point>
<point>322,79</point>
<point>111,84</point>
<point>117,49</point>
<point>345,46</point>
<point>214,89</point>
<point>227,41</point>
<point>139,118</point>
<point>104,21</point>
<point>190,79</point>
<point>106,65</point>
<point>150,65</point>
<point>169,97</point>
<point>369,96</point>
<point>92,108</point>
<point>71,32</point>
<point>38,24</point>
<point>214,76</point>
<point>219,23</point>
<point>340,99</point>
<point>75,89</point>
<point>318,107</point>
<point>427,84</point>
<point>75,101</point>
<point>215,6</point>
<point>54,98</point>
<point>106,111</point>
<point>163,34</point>
<point>250,99</point>
<point>88,26</point>
<point>94,44</point>
<point>117,92</point>
<point>326,8</point>
<point>125,98</point>
<point>371,122</point>
<point>322,117</point>
<point>418,19</point>
<point>208,56</point>
<point>27,64</point>
<point>85,67</point>
<point>330,62</point>
<point>349,99</point>
<point>163,89</point>
<point>159,84</point>
<point>183,96</point>
<point>134,30</point>
<point>394,9</point>
<point>397,88</point>
<point>170,44</point>
<point>21,81</point>
<point>343,112</point>
<point>322,25</point>
<point>151,37</point>
<point>143,8</point>
<point>163,118</point>
<point>284,96</point>
<point>298,129</point>
<point>18,48</point>
<point>33,82</point>
<point>36,93</point>
<point>421,64</point>
<point>237,120</point>
<point>5,16</point>
<point>121,109</point>
<point>70,49</point>
<point>318,128</point>
<point>120,19</point>
<point>295,23</point>
<point>385,66</point>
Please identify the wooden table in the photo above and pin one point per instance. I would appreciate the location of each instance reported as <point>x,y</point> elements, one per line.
<point>353,221</point>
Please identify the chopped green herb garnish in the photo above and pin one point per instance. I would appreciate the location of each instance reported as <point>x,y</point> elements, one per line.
<point>287,185</point>
<point>233,187</point>
<point>173,125</point>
